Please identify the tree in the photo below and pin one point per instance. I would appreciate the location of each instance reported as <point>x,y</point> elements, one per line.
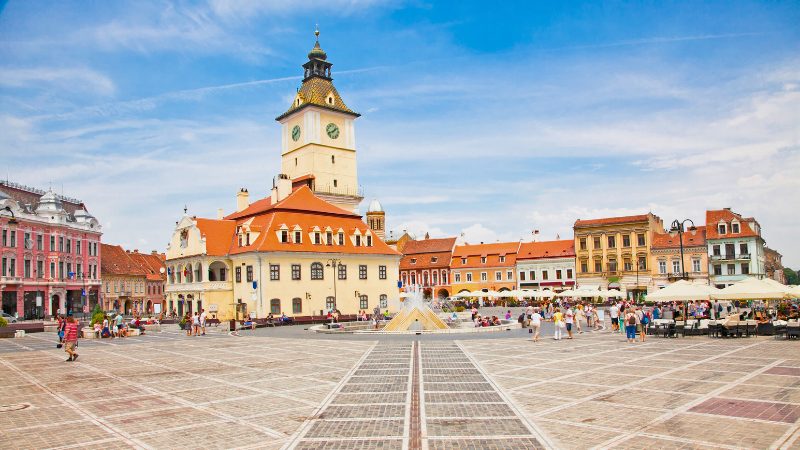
<point>792,276</point>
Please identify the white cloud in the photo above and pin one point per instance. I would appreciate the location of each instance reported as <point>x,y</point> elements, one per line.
<point>80,79</point>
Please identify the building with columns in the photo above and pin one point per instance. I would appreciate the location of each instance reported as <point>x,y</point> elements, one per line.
<point>50,250</point>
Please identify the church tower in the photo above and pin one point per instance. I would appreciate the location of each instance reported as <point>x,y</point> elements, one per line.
<point>376,219</point>
<point>318,144</point>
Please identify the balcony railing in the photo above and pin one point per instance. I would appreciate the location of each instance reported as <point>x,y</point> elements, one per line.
<point>731,257</point>
<point>201,286</point>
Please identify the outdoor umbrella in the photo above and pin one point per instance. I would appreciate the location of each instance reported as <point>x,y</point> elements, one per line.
<point>682,290</point>
<point>752,289</point>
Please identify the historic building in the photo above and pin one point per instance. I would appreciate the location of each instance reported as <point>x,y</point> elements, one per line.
<point>665,257</point>
<point>735,247</point>
<point>124,281</point>
<point>484,267</point>
<point>301,250</point>
<point>376,219</point>
<point>614,252</point>
<point>773,265</point>
<point>50,251</point>
<point>549,264</point>
<point>426,263</point>
<point>155,278</point>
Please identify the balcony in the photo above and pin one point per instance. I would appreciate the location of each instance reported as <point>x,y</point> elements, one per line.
<point>731,257</point>
<point>10,280</point>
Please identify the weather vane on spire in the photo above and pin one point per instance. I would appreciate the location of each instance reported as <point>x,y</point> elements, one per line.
<point>316,31</point>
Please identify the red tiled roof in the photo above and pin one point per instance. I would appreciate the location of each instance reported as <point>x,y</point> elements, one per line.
<point>500,248</point>
<point>151,263</point>
<point>666,240</point>
<point>713,218</point>
<point>429,246</point>
<point>548,249</point>
<point>492,253</point>
<point>300,209</point>
<point>611,220</point>
<point>425,261</point>
<point>116,261</point>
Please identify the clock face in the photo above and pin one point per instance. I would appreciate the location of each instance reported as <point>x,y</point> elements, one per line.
<point>332,130</point>
<point>296,133</point>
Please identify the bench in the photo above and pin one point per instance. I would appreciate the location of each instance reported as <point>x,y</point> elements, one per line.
<point>7,332</point>
<point>213,321</point>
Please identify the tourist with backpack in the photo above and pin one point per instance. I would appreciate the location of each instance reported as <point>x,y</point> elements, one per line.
<point>630,325</point>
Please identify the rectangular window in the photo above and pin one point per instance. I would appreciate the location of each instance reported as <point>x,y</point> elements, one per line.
<point>5,238</point>
<point>39,242</point>
<point>238,274</point>
<point>642,263</point>
<point>612,242</point>
<point>569,273</point>
<point>627,265</point>
<point>509,275</point>
<point>469,277</point>
<point>5,266</point>
<point>298,237</point>
<point>297,306</point>
<point>483,276</point>
<point>382,272</point>
<point>39,269</point>
<point>717,269</point>
<point>597,243</point>
<point>362,272</point>
<point>60,244</point>
<point>522,276</point>
<point>598,266</point>
<point>695,265</point>
<point>730,250</point>
<point>78,270</point>
<point>662,267</point>
<point>78,247</point>
<point>341,238</point>
<point>734,228</point>
<point>284,236</point>
<point>558,274</point>
<point>498,276</point>
<point>13,239</point>
<point>745,268</point>
<point>583,243</point>
<point>640,240</point>
<point>743,249</point>
<point>61,270</point>
<point>545,275</point>
<point>52,243</point>
<point>27,268</point>
<point>317,239</point>
<point>52,270</point>
<point>676,266</point>
<point>249,274</point>
<point>731,269</point>
<point>329,238</point>
<point>716,250</point>
<point>274,272</point>
<point>384,301</point>
<point>295,271</point>
<point>584,267</point>
<point>27,239</point>
<point>342,271</point>
<point>363,302</point>
<point>457,277</point>
<point>463,261</point>
<point>626,240</point>
<point>502,259</point>
<point>358,240</point>
<point>532,273</point>
<point>721,228</point>
<point>483,260</point>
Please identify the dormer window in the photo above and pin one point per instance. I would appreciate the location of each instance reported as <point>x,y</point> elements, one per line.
<point>434,259</point>
<point>284,236</point>
<point>298,237</point>
<point>722,228</point>
<point>369,240</point>
<point>317,238</point>
<point>463,261</point>
<point>330,98</point>
<point>341,238</point>
<point>329,238</point>
<point>502,259</point>
<point>358,240</point>
<point>735,228</point>
<point>483,260</point>
<point>413,260</point>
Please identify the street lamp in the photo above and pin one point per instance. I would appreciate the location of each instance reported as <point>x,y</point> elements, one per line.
<point>333,262</point>
<point>12,222</point>
<point>677,227</point>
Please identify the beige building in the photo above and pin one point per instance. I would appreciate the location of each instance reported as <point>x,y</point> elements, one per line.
<point>665,257</point>
<point>302,250</point>
<point>615,252</point>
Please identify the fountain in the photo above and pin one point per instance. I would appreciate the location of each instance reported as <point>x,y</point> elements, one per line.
<point>415,315</point>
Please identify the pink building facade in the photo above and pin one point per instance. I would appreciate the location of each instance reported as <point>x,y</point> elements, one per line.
<point>50,253</point>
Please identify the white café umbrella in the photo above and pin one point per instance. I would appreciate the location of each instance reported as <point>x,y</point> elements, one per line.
<point>544,293</point>
<point>610,293</point>
<point>405,295</point>
<point>752,289</point>
<point>794,291</point>
<point>682,290</point>
<point>465,294</point>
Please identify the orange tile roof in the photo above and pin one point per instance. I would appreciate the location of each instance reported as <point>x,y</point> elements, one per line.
<point>429,246</point>
<point>218,234</point>
<point>611,220</point>
<point>714,217</point>
<point>314,92</point>
<point>492,253</point>
<point>425,261</point>
<point>300,209</point>
<point>151,263</point>
<point>114,260</point>
<point>666,240</point>
<point>500,248</point>
<point>547,249</point>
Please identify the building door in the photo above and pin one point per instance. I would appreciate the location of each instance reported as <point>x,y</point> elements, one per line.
<point>54,304</point>
<point>10,302</point>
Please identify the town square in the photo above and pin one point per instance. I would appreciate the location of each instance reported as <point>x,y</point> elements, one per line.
<point>346,225</point>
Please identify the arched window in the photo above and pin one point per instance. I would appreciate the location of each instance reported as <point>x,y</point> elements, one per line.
<point>275,306</point>
<point>172,275</point>
<point>297,306</point>
<point>198,272</point>
<point>317,271</point>
<point>384,301</point>
<point>187,271</point>
<point>363,302</point>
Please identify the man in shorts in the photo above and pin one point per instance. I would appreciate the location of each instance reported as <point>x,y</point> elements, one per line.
<point>613,311</point>
<point>71,338</point>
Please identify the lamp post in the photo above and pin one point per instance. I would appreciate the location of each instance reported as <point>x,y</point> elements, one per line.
<point>333,262</point>
<point>677,227</point>
<point>12,222</point>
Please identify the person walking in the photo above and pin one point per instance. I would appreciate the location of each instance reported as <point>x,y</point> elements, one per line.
<point>569,320</point>
<point>196,324</point>
<point>630,326</point>
<point>535,323</point>
<point>644,319</point>
<point>203,317</point>
<point>613,312</point>
<point>71,338</point>
<point>579,315</point>
<point>558,323</point>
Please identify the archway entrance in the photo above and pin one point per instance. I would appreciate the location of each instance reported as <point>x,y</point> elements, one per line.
<point>442,293</point>
<point>127,308</point>
<point>55,303</point>
<point>149,307</point>
<point>181,302</point>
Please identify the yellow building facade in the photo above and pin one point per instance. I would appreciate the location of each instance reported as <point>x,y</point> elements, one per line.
<point>615,252</point>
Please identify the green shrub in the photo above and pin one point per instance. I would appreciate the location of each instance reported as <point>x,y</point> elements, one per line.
<point>459,308</point>
<point>3,322</point>
<point>97,317</point>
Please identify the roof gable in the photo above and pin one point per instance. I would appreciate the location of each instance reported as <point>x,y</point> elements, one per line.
<point>429,246</point>
<point>546,249</point>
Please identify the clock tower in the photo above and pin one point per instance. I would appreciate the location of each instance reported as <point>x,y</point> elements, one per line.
<point>318,145</point>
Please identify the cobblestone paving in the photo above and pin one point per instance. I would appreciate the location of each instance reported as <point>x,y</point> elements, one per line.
<point>166,390</point>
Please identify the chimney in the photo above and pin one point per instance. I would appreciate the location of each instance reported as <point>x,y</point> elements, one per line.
<point>154,252</point>
<point>242,200</point>
<point>220,214</point>
<point>136,250</point>
<point>282,185</point>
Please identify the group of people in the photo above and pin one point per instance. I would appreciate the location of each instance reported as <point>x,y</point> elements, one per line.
<point>195,325</point>
<point>632,318</point>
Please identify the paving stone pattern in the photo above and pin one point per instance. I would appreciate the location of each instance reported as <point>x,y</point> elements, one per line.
<point>167,390</point>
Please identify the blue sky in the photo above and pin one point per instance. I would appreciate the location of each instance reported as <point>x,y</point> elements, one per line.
<point>487,120</point>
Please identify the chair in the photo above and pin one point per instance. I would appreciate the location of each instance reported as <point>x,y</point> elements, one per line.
<point>779,331</point>
<point>751,328</point>
<point>793,330</point>
<point>713,328</point>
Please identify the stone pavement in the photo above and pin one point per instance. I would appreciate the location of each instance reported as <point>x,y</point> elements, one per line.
<point>167,390</point>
